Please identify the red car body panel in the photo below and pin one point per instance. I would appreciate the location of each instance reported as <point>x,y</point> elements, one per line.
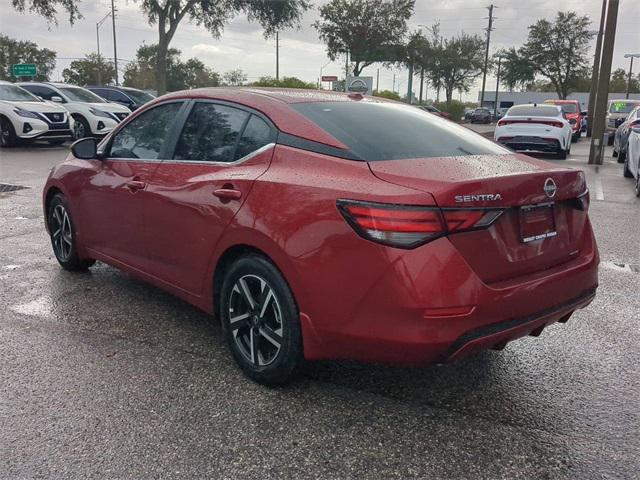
<point>357,299</point>
<point>577,115</point>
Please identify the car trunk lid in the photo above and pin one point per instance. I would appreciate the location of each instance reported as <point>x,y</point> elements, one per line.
<point>519,185</point>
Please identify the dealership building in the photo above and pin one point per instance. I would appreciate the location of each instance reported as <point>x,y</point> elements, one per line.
<point>508,99</point>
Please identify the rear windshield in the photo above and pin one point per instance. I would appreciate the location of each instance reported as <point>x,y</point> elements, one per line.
<point>622,107</point>
<point>139,96</point>
<point>566,107</point>
<point>529,111</point>
<point>389,131</point>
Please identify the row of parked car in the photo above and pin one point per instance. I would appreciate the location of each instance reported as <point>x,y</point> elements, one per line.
<point>57,112</point>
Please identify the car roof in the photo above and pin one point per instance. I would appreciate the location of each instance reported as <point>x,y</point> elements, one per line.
<point>275,103</point>
<point>557,100</point>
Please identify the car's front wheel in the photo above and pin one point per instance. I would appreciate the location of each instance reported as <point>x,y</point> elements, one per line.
<point>8,136</point>
<point>81,128</point>
<point>63,236</point>
<point>260,321</point>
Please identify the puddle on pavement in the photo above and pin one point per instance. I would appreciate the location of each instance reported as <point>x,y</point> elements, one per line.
<point>40,307</point>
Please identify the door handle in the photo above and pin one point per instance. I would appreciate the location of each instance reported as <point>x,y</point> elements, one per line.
<point>135,185</point>
<point>228,194</point>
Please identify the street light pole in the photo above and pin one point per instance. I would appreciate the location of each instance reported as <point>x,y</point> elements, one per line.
<point>596,150</point>
<point>277,55</point>
<point>98,25</point>
<point>495,103</point>
<point>115,49</point>
<point>486,53</point>
<point>595,71</point>
<point>631,56</point>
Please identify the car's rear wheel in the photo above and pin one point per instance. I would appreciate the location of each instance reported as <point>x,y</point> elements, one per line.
<point>622,156</point>
<point>8,136</point>
<point>562,153</point>
<point>625,170</point>
<point>260,321</point>
<point>63,236</point>
<point>575,137</point>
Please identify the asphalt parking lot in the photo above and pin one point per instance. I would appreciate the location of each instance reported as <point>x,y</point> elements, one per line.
<point>104,376</point>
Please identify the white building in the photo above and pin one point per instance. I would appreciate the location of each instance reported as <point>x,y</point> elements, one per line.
<point>508,99</point>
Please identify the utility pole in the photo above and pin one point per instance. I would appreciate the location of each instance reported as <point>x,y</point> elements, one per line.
<point>421,83</point>
<point>277,55</point>
<point>115,49</point>
<point>595,71</point>
<point>410,84</point>
<point>393,88</point>
<point>346,69</point>
<point>378,80</point>
<point>630,77</point>
<point>98,25</point>
<point>495,103</point>
<point>596,150</point>
<point>486,53</point>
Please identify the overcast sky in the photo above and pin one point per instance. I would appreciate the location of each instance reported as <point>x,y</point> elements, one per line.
<point>301,53</point>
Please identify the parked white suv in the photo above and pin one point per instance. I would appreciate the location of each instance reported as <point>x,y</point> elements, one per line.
<point>94,116</point>
<point>24,117</point>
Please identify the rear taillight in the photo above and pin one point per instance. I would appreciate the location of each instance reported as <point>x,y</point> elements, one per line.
<point>551,123</point>
<point>409,226</point>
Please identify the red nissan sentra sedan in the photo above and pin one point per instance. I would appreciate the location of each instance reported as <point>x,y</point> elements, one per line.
<point>319,225</point>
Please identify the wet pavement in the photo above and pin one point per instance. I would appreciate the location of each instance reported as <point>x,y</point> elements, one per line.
<point>104,376</point>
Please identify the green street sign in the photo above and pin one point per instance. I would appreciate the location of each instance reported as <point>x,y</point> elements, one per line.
<point>24,70</point>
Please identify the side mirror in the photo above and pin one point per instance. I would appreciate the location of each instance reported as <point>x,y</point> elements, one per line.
<point>57,99</point>
<point>85,148</point>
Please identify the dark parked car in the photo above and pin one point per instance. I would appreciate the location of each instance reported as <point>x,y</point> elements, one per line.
<point>127,96</point>
<point>435,111</point>
<point>622,135</point>
<point>481,115</point>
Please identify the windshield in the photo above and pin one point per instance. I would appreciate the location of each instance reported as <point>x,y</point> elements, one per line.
<point>530,111</point>
<point>13,93</point>
<point>569,108</point>
<point>77,94</point>
<point>139,96</point>
<point>364,128</point>
<point>622,107</point>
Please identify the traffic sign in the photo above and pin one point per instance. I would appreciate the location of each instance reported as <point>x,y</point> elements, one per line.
<point>24,69</point>
<point>329,78</point>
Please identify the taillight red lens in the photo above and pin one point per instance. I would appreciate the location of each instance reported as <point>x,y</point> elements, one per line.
<point>408,226</point>
<point>551,123</point>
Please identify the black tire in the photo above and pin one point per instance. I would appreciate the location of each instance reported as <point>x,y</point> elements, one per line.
<point>615,154</point>
<point>265,321</point>
<point>81,129</point>
<point>8,137</point>
<point>562,154</point>
<point>63,236</point>
<point>575,137</point>
<point>611,139</point>
<point>637,184</point>
<point>56,142</point>
<point>625,170</point>
<point>622,156</point>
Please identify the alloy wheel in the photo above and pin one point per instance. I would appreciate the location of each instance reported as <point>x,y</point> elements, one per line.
<point>4,134</point>
<point>255,320</point>
<point>78,130</point>
<point>637,186</point>
<point>61,232</point>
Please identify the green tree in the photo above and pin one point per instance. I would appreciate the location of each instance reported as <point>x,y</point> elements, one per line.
<point>516,70</point>
<point>365,29</point>
<point>387,94</point>
<point>285,82</point>
<point>141,73</point>
<point>272,15</point>
<point>558,50</point>
<point>619,79</point>
<point>14,51</point>
<point>235,77</point>
<point>48,8</point>
<point>455,63</point>
<point>85,71</point>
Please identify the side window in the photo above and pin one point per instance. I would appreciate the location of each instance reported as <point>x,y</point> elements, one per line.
<point>44,92</point>
<point>145,135</point>
<point>101,92</point>
<point>256,134</point>
<point>117,96</point>
<point>210,133</point>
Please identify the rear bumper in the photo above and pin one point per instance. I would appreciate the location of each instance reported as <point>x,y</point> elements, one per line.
<point>531,144</point>
<point>431,307</point>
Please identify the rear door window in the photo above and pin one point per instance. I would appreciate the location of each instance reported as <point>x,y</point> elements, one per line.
<point>256,135</point>
<point>144,136</point>
<point>211,133</point>
<point>388,131</point>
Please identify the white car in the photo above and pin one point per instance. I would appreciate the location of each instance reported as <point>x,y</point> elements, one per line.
<point>632,159</point>
<point>94,116</point>
<point>535,128</point>
<point>24,117</point>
